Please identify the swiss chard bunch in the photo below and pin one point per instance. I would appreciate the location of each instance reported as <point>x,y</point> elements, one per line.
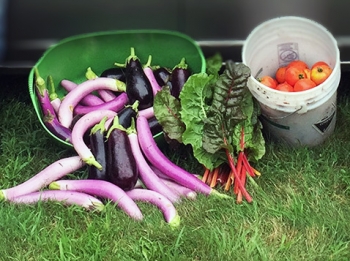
<point>217,115</point>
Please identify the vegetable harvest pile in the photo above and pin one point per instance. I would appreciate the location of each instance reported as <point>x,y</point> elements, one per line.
<point>111,119</point>
<point>218,117</point>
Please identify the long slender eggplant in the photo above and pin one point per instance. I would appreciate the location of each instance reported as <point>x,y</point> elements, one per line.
<point>179,75</point>
<point>98,148</point>
<point>121,164</point>
<point>49,114</point>
<point>138,87</point>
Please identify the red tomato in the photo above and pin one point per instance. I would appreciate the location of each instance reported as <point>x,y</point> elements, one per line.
<point>304,84</point>
<point>320,73</point>
<point>298,63</point>
<point>280,74</point>
<point>268,81</point>
<point>294,74</point>
<point>284,87</point>
<point>319,63</point>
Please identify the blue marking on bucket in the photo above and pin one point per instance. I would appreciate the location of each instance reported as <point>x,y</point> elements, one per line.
<point>274,123</point>
<point>287,52</point>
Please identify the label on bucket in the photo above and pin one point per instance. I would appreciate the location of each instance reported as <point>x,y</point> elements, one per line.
<point>287,52</point>
<point>322,125</point>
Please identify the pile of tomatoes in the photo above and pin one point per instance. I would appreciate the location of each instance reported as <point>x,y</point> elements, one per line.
<point>297,76</point>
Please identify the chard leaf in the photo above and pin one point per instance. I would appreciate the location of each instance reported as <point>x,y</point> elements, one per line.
<point>193,113</point>
<point>254,142</point>
<point>167,112</point>
<point>226,110</point>
<point>214,64</point>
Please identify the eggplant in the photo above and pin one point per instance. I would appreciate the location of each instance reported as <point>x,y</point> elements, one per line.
<point>154,125</point>
<point>138,86</point>
<point>179,76</point>
<point>86,137</point>
<point>126,114</point>
<point>114,73</point>
<point>163,76</point>
<point>122,169</point>
<point>98,148</point>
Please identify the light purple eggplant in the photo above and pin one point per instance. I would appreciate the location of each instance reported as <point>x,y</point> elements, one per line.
<point>168,209</point>
<point>103,189</point>
<point>50,119</point>
<point>54,171</point>
<point>81,127</point>
<point>88,100</point>
<point>114,105</point>
<point>65,113</point>
<point>147,175</point>
<point>66,197</point>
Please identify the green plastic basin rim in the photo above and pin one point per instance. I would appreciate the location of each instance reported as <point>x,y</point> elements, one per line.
<point>180,36</point>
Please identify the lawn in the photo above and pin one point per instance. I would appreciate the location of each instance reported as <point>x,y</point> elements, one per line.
<point>300,209</point>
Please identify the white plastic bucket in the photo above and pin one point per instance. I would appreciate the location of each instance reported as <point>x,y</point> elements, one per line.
<point>297,118</point>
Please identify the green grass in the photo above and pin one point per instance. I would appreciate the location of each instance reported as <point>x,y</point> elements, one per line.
<point>300,211</point>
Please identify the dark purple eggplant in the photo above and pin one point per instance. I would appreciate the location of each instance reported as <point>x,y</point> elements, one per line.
<point>162,75</point>
<point>126,115</point>
<point>138,87</point>
<point>97,143</point>
<point>121,164</point>
<point>154,125</point>
<point>179,75</point>
<point>114,73</point>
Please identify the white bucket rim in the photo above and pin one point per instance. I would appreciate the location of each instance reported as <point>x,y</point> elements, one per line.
<point>319,91</point>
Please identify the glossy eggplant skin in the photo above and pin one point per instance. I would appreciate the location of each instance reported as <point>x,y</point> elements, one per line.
<point>98,149</point>
<point>86,135</point>
<point>162,75</point>
<point>126,114</point>
<point>121,164</point>
<point>179,76</point>
<point>114,73</point>
<point>154,125</point>
<point>138,87</point>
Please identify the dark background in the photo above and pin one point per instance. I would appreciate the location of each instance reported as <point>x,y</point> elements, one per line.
<point>30,27</point>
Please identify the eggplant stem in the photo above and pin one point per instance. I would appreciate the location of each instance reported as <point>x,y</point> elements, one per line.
<point>90,74</point>
<point>97,206</point>
<point>40,83</point>
<point>175,222</point>
<point>52,92</point>
<point>2,195</point>
<point>149,61</point>
<point>92,161</point>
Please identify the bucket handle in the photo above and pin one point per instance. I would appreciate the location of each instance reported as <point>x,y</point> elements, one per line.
<point>282,117</point>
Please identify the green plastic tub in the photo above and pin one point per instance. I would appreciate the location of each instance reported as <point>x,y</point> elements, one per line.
<point>69,58</point>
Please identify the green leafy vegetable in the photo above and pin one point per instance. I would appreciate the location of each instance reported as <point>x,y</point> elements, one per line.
<point>167,112</point>
<point>194,107</point>
<point>211,114</point>
<point>214,64</point>
<point>226,112</point>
